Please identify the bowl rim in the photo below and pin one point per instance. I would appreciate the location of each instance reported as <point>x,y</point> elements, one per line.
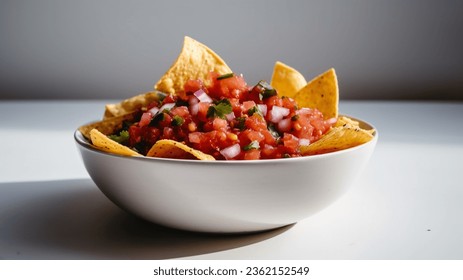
<point>84,143</point>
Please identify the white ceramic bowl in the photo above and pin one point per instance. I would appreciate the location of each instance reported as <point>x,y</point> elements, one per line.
<point>225,196</point>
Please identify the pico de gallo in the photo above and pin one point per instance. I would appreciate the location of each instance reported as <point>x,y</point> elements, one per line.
<point>224,117</point>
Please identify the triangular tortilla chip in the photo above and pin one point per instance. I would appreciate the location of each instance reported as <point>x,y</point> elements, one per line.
<point>322,93</point>
<point>286,80</point>
<point>132,104</point>
<point>342,120</point>
<point>338,138</point>
<point>108,126</point>
<point>166,148</point>
<point>195,61</point>
<point>102,142</point>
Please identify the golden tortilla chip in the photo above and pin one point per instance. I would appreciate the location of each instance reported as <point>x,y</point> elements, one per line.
<point>322,93</point>
<point>109,125</point>
<point>338,138</point>
<point>342,120</point>
<point>166,148</point>
<point>286,80</point>
<point>103,143</point>
<point>132,104</point>
<point>195,61</point>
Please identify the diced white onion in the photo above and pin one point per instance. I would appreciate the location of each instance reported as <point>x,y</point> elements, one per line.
<point>167,107</point>
<point>193,100</point>
<point>262,109</point>
<point>278,113</point>
<point>202,96</point>
<point>284,125</point>
<point>304,142</point>
<point>230,116</point>
<point>231,151</point>
<point>154,111</point>
<point>194,109</point>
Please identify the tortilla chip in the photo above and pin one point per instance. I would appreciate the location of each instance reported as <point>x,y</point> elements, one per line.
<point>322,93</point>
<point>195,61</point>
<point>109,126</point>
<point>286,80</point>
<point>338,138</point>
<point>103,143</point>
<point>342,120</point>
<point>132,104</point>
<point>166,148</point>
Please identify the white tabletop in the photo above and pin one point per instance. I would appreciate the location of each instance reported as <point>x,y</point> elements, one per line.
<point>406,205</point>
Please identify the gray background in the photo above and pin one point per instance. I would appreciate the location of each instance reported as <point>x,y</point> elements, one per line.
<point>115,49</point>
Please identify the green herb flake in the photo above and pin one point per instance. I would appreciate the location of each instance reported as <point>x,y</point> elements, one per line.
<point>267,90</point>
<point>254,145</point>
<point>240,123</point>
<point>253,110</point>
<point>122,137</point>
<point>177,121</point>
<point>273,131</point>
<point>225,76</point>
<point>295,118</point>
<point>220,109</point>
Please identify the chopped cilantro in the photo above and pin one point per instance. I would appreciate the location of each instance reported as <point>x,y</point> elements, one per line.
<point>254,145</point>
<point>225,76</point>
<point>266,90</point>
<point>253,110</point>
<point>220,109</point>
<point>177,121</point>
<point>273,131</point>
<point>122,137</point>
<point>160,95</point>
<point>295,118</point>
<point>240,123</point>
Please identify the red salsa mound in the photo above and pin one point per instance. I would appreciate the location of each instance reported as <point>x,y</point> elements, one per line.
<point>228,119</point>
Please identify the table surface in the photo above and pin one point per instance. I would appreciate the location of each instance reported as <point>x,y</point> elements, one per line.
<point>406,205</point>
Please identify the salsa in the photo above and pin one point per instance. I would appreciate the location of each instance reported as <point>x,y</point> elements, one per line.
<point>224,117</point>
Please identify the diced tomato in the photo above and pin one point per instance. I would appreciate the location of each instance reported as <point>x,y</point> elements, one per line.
<point>166,120</point>
<point>256,122</point>
<point>268,151</point>
<point>181,111</point>
<point>250,135</point>
<point>192,86</point>
<point>134,135</point>
<point>150,134</point>
<point>220,124</point>
<point>290,143</point>
<point>269,139</point>
<point>232,87</point>
<point>170,99</point>
<point>203,107</point>
<point>194,137</point>
<point>168,133</point>
<point>252,154</point>
<point>247,105</point>
<point>273,101</point>
<point>289,103</point>
<point>145,119</point>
